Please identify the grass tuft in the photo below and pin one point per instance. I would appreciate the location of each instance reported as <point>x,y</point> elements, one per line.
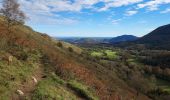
<point>52,88</point>
<point>81,90</point>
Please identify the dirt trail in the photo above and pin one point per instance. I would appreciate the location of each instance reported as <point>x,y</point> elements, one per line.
<point>30,85</point>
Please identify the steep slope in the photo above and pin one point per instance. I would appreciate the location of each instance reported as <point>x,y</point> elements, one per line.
<point>34,66</point>
<point>123,38</point>
<point>159,38</point>
<point>23,67</point>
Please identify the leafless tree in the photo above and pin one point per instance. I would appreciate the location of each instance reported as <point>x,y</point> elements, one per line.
<point>12,13</point>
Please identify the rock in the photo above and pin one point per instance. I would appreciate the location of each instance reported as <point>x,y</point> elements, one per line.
<point>34,79</point>
<point>10,58</point>
<point>20,92</point>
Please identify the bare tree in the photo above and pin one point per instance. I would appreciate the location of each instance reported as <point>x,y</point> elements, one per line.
<point>12,13</point>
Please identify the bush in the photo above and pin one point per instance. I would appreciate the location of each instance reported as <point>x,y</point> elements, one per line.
<point>70,49</point>
<point>45,60</point>
<point>57,79</point>
<point>23,56</point>
<point>20,55</point>
<point>59,44</point>
<point>141,83</point>
<point>81,90</point>
<point>65,74</point>
<point>3,44</point>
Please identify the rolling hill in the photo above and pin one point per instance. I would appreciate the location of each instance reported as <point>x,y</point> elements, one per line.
<point>158,38</point>
<point>98,40</point>
<point>34,66</point>
<point>123,38</point>
<point>85,40</point>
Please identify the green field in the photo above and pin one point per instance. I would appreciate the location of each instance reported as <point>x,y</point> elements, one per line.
<point>165,85</point>
<point>111,54</point>
<point>97,54</point>
<point>106,54</point>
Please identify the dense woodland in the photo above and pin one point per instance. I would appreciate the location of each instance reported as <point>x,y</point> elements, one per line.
<point>145,70</point>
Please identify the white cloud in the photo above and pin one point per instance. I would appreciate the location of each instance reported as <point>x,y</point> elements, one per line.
<point>166,11</point>
<point>117,3</point>
<point>74,5</point>
<point>42,11</point>
<point>59,5</point>
<point>51,20</point>
<point>38,9</point>
<point>153,4</point>
<point>131,12</point>
<point>116,21</point>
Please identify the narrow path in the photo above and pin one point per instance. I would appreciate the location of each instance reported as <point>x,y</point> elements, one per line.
<point>29,86</point>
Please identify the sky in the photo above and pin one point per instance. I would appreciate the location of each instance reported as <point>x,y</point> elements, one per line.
<point>96,18</point>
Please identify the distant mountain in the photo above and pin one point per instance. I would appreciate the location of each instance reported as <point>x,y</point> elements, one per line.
<point>159,38</point>
<point>86,40</point>
<point>123,38</point>
<point>97,40</point>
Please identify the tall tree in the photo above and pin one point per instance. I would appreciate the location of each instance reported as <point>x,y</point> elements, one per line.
<point>12,13</point>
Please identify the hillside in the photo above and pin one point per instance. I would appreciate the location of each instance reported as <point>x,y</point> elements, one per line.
<point>158,38</point>
<point>35,66</point>
<point>123,38</point>
<point>45,68</point>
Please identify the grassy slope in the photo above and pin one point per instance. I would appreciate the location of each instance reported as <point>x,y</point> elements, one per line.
<point>42,52</point>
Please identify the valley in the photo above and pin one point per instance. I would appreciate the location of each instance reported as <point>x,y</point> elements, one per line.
<point>147,69</point>
<point>139,64</point>
<point>66,50</point>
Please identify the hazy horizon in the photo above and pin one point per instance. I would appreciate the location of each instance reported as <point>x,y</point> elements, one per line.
<point>87,36</point>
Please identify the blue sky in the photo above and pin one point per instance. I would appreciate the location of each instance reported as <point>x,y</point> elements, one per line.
<point>96,18</point>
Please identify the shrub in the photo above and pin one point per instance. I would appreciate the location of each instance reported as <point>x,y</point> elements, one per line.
<point>158,92</point>
<point>45,60</point>
<point>57,79</point>
<point>141,83</point>
<point>65,74</point>
<point>23,56</point>
<point>70,49</point>
<point>3,44</point>
<point>82,90</point>
<point>19,53</point>
<point>59,44</point>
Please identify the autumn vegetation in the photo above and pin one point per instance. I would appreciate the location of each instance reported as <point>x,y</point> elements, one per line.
<point>64,71</point>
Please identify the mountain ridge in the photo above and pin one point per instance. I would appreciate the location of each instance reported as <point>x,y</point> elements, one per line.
<point>158,38</point>
<point>123,38</point>
<point>97,40</point>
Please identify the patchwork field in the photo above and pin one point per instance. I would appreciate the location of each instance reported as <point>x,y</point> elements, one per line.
<point>104,54</point>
